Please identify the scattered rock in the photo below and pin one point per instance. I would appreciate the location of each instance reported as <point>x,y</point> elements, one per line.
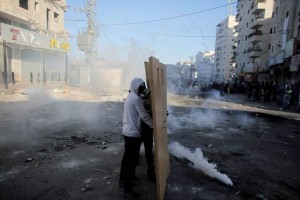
<point>29,160</point>
<point>86,188</point>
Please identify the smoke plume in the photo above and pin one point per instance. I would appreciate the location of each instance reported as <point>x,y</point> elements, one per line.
<point>199,162</point>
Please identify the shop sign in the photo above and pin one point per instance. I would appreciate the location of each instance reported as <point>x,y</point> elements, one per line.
<point>295,62</point>
<point>16,35</point>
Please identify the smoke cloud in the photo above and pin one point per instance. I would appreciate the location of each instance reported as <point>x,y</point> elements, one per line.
<point>198,162</point>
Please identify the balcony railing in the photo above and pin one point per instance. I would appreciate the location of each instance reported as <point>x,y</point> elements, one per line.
<point>254,49</point>
<point>258,32</point>
<point>257,23</point>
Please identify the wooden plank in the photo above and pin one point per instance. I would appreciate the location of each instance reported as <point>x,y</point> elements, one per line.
<point>156,81</point>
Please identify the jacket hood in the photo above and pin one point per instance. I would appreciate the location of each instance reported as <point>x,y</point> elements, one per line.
<point>135,84</point>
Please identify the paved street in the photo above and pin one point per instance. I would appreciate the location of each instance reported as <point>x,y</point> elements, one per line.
<point>59,142</point>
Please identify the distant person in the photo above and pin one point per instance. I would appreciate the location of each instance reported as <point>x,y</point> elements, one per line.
<point>134,111</point>
<point>267,94</point>
<point>287,98</point>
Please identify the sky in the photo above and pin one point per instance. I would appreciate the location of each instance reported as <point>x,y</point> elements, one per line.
<point>172,40</point>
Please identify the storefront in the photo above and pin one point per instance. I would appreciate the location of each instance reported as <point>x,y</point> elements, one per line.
<point>294,68</point>
<point>32,56</point>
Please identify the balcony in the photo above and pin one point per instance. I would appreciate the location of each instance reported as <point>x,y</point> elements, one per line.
<point>258,6</point>
<point>255,37</point>
<point>257,23</point>
<point>255,33</point>
<point>254,52</point>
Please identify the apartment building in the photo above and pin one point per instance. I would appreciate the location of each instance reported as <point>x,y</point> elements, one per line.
<point>187,72</point>
<point>254,19</point>
<point>284,58</point>
<point>33,41</point>
<point>224,69</point>
<point>205,65</point>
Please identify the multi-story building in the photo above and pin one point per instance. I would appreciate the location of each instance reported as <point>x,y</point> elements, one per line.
<point>224,68</point>
<point>284,58</point>
<point>204,65</point>
<point>187,72</point>
<point>33,41</point>
<point>254,19</point>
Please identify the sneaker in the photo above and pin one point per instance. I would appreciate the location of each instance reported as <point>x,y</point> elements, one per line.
<point>130,194</point>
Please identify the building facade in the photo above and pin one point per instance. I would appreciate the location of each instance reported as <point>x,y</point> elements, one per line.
<point>254,19</point>
<point>205,66</point>
<point>224,68</point>
<point>187,72</point>
<point>33,41</point>
<point>285,42</point>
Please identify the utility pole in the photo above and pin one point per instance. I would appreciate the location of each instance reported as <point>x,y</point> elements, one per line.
<point>87,41</point>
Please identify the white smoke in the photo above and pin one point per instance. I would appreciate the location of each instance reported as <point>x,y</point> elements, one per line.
<point>199,162</point>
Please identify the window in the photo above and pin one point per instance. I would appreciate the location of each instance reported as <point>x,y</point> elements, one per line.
<point>23,4</point>
<point>298,31</point>
<point>271,30</point>
<point>269,47</point>
<point>272,49</point>
<point>48,13</point>
<point>36,6</point>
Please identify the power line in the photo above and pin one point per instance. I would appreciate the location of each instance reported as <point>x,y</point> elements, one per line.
<point>163,34</point>
<point>117,34</point>
<point>168,18</point>
<point>192,36</point>
<point>161,19</point>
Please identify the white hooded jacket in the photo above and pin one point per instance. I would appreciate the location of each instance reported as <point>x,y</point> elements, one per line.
<point>134,111</point>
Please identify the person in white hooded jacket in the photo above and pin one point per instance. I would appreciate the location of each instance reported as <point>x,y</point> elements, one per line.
<point>134,111</point>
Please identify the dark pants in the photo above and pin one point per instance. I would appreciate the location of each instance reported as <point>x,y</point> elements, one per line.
<point>130,161</point>
<point>147,139</point>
